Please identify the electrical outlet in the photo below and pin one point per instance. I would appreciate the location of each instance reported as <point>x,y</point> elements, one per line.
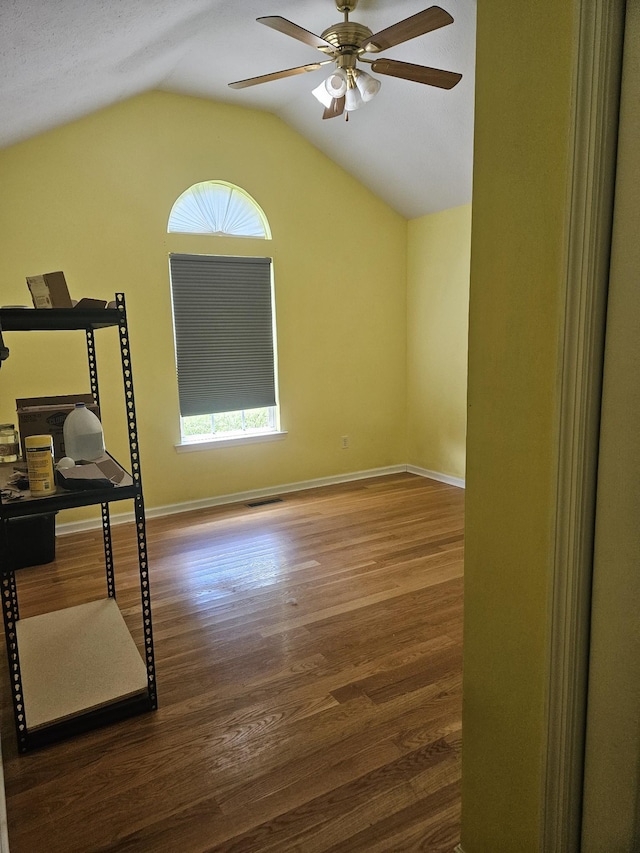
<point>345,442</point>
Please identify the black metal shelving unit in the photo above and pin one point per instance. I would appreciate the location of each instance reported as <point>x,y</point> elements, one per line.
<point>39,720</point>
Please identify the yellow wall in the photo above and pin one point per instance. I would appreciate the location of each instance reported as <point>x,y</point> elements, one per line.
<point>521,176</point>
<point>92,198</point>
<point>611,818</point>
<point>437,312</point>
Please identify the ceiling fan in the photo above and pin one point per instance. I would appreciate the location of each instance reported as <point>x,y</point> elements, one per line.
<point>345,43</point>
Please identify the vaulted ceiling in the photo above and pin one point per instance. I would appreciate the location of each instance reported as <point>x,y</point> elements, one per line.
<point>412,145</point>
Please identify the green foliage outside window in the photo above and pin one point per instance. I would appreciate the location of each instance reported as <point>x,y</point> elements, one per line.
<point>228,423</point>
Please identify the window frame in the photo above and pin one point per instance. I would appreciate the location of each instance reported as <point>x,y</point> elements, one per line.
<point>209,210</point>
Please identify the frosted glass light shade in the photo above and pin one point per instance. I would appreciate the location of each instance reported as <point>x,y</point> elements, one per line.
<point>336,83</point>
<point>217,207</point>
<point>352,99</point>
<point>320,92</point>
<point>367,85</point>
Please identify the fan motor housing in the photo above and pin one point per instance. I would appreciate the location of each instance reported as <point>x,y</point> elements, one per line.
<point>347,34</point>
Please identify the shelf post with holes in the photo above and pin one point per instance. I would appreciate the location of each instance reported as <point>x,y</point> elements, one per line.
<point>138,504</point>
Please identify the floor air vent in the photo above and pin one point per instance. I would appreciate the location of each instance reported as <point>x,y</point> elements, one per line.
<point>265,502</point>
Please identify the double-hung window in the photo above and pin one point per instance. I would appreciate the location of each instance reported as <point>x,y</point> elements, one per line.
<point>224,340</point>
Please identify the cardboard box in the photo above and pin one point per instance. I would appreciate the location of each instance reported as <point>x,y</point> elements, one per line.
<point>46,415</point>
<point>49,290</point>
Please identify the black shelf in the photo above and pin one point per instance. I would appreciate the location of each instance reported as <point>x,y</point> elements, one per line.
<point>57,319</point>
<point>61,499</point>
<point>33,633</point>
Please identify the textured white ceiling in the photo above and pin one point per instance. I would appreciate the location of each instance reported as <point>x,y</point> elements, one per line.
<point>412,145</point>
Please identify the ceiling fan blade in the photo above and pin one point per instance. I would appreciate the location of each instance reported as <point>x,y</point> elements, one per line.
<point>277,22</point>
<point>418,73</point>
<point>335,108</point>
<point>417,25</point>
<point>278,75</point>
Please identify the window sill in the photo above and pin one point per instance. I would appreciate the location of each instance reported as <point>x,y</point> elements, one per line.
<point>229,441</point>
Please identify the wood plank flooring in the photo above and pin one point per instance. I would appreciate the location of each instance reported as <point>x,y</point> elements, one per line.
<point>308,660</point>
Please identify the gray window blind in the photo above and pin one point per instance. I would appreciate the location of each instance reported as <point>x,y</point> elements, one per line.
<point>223,321</point>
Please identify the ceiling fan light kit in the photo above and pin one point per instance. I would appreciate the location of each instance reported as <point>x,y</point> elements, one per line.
<point>348,87</point>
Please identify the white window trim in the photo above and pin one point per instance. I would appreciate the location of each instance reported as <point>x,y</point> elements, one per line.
<point>229,441</point>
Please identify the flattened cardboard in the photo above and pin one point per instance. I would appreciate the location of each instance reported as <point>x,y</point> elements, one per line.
<point>104,468</point>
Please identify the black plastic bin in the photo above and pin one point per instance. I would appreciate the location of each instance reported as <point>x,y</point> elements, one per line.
<point>32,539</point>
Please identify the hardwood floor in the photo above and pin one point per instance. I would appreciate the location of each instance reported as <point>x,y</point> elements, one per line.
<point>308,660</point>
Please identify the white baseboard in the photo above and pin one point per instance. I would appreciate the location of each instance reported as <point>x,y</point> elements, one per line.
<point>435,475</point>
<point>237,497</point>
<point>64,528</point>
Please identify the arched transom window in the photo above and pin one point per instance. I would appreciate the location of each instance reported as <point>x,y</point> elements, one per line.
<point>218,207</point>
